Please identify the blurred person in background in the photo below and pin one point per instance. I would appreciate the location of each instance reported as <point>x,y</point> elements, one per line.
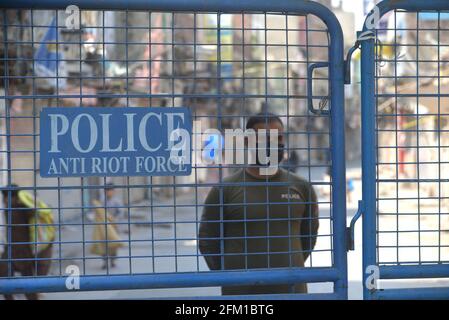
<point>32,233</point>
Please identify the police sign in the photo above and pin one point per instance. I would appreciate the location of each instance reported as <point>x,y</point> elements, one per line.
<point>77,142</point>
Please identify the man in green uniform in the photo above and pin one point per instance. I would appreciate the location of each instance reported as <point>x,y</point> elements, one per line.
<point>257,221</point>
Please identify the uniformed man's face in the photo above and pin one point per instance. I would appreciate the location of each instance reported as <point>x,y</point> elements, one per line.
<point>272,125</point>
<point>271,128</point>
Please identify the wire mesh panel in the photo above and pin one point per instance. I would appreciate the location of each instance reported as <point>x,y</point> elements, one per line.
<point>409,216</point>
<point>222,225</point>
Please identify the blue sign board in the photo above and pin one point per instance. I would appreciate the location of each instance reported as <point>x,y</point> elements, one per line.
<point>81,142</point>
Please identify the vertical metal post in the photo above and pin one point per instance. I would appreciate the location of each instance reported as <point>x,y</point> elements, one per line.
<point>8,146</point>
<point>338,167</point>
<point>368,160</point>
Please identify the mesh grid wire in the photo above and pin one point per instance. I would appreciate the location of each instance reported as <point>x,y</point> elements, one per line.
<point>412,135</point>
<point>224,67</point>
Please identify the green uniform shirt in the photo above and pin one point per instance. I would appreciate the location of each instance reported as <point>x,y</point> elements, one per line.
<point>268,222</point>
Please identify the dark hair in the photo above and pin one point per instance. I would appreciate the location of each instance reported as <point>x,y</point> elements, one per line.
<point>13,189</point>
<point>263,117</point>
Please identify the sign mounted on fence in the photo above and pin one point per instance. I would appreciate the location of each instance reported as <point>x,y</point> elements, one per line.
<point>81,142</point>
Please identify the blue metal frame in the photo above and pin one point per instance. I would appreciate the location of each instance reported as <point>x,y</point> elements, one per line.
<point>336,274</point>
<point>369,154</point>
<point>179,280</point>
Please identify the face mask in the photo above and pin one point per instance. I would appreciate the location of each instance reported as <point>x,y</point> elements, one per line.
<point>280,152</point>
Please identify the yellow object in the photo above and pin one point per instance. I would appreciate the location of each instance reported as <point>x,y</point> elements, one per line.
<point>387,51</point>
<point>44,234</point>
<point>105,234</point>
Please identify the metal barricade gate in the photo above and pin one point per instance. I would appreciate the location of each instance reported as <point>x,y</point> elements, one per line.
<point>403,133</point>
<point>166,254</point>
<point>404,104</point>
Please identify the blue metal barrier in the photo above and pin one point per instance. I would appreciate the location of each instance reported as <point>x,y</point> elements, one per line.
<point>193,54</point>
<point>403,132</point>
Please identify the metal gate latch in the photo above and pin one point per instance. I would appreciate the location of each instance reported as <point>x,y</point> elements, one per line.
<point>350,230</point>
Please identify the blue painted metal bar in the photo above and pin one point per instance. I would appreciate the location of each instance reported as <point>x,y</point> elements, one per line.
<point>411,5</point>
<point>368,160</point>
<point>412,294</point>
<point>229,6</point>
<point>337,110</point>
<point>178,280</point>
<point>423,271</point>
